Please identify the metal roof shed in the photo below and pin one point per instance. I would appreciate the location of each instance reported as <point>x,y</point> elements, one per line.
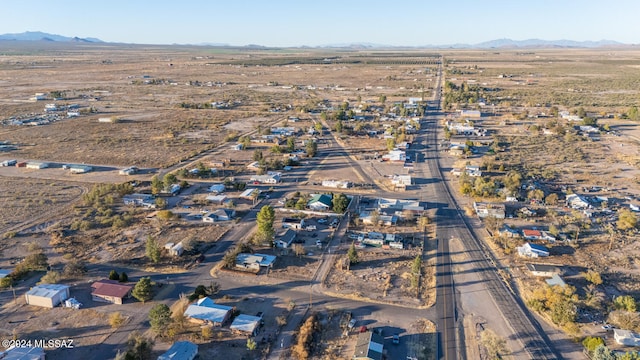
<point>47,295</point>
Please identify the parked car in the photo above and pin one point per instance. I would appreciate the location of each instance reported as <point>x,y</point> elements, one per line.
<point>311,228</point>
<point>200,258</point>
<point>396,339</point>
<point>322,221</point>
<point>607,327</point>
<point>352,324</point>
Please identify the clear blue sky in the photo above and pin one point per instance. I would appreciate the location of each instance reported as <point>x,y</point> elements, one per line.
<point>322,22</point>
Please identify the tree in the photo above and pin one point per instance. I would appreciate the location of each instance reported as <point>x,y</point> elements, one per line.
<point>123,277</point>
<point>298,249</point>
<point>633,114</point>
<point>291,144</point>
<point>318,126</point>
<point>152,250</point>
<point>265,219</point>
<point>165,214</point>
<point>257,155</point>
<point>245,141</point>
<point>142,289</point>
<point>156,185</point>
<point>391,144</point>
<point>352,254</point>
<point>51,277</point>
<point>311,148</point>
<point>593,277</point>
<point>581,112</point>
<point>536,194</point>
<point>74,268</point>
<point>551,199</point>
<point>627,220</point>
<point>495,345</point>
<point>116,320</point>
<point>603,353</point>
<point>251,344</point>
<point>113,275</point>
<point>382,99</point>
<point>338,126</point>
<point>169,180</point>
<point>138,348</point>
<point>340,203</point>
<point>160,318</point>
<point>592,342</point>
<point>625,302</point>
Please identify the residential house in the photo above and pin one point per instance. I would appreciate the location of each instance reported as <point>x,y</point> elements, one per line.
<point>577,202</point>
<point>369,346</point>
<point>320,202</point>
<point>626,337</point>
<point>224,214</point>
<point>217,188</point>
<point>110,291</point>
<point>401,181</point>
<point>532,250</point>
<point>205,311</point>
<point>246,324</point>
<point>273,178</point>
<point>237,147</point>
<point>249,194</point>
<point>180,350</point>
<point>286,239</point>
<point>484,210</point>
<point>395,156</point>
<point>526,212</point>
<point>509,232</point>
<point>368,218</point>
<point>4,273</point>
<point>79,169</point>
<point>216,199</point>
<point>473,170</point>
<point>293,223</point>
<point>542,270</point>
<point>23,353</point>
<point>530,234</point>
<point>254,261</point>
<point>47,295</point>
<point>144,200</point>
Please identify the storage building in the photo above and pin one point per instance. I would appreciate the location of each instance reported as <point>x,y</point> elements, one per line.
<point>180,350</point>
<point>47,295</point>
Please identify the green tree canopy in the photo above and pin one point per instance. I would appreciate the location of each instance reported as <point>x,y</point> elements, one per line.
<point>160,318</point>
<point>265,219</point>
<point>625,302</point>
<point>340,203</point>
<point>142,289</point>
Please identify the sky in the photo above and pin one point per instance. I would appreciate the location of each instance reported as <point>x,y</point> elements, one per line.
<point>288,23</point>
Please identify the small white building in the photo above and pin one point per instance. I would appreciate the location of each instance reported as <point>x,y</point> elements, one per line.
<point>47,295</point>
<point>216,199</point>
<point>401,181</point>
<point>37,165</point>
<point>266,179</point>
<point>626,337</point>
<point>207,312</point>
<point>217,188</point>
<point>177,249</point>
<point>532,250</point>
<point>246,324</point>
<point>180,350</point>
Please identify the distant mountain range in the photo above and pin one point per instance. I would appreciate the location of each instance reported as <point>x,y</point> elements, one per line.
<point>498,43</point>
<point>41,36</point>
